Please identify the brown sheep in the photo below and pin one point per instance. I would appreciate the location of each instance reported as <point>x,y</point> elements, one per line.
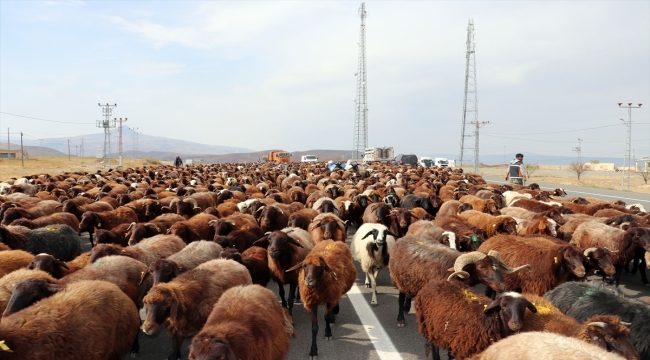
<point>453,207</point>
<point>246,323</point>
<point>78,210</point>
<point>551,262</point>
<point>12,260</point>
<point>56,218</point>
<point>622,243</point>
<point>492,225</point>
<point>147,251</point>
<point>273,218</point>
<point>157,226</point>
<point>106,220</point>
<point>485,206</point>
<point>415,261</point>
<point>400,220</point>
<point>57,268</point>
<point>118,235</point>
<point>58,328</point>
<point>605,331</point>
<point>196,228</point>
<point>541,226</point>
<point>429,230</point>
<point>191,256</point>
<point>377,213</point>
<point>531,205</point>
<point>42,208</point>
<point>184,304</point>
<point>467,237</point>
<point>326,274</point>
<point>286,248</point>
<point>10,280</point>
<point>452,316</point>
<point>256,261</point>
<point>327,227</point>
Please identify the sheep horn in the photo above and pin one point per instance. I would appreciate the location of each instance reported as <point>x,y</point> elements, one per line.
<point>505,268</point>
<point>211,222</point>
<point>589,251</point>
<point>173,202</point>
<point>461,261</point>
<point>260,209</point>
<point>597,323</point>
<point>625,323</point>
<point>130,226</point>
<point>193,202</point>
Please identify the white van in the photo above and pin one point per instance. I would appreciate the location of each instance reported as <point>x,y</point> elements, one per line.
<point>308,158</point>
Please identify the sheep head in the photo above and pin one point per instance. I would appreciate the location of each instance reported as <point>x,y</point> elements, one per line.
<point>379,236</point>
<point>312,270</point>
<point>160,304</point>
<point>571,258</point>
<point>505,225</point>
<point>222,226</point>
<point>600,259</point>
<point>610,333</point>
<point>511,307</point>
<point>163,271</point>
<point>47,263</point>
<point>278,243</point>
<point>89,221</point>
<point>29,291</point>
<point>488,269</point>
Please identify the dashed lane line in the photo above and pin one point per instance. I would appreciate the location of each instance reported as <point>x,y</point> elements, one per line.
<point>376,333</point>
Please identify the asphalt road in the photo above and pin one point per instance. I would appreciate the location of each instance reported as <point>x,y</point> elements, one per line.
<point>362,332</point>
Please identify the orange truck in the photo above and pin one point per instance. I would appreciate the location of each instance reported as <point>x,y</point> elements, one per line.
<point>279,156</point>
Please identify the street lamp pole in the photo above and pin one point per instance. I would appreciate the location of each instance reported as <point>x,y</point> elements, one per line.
<point>628,142</point>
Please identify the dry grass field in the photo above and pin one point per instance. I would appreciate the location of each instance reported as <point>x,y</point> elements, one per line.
<point>561,175</point>
<point>58,164</point>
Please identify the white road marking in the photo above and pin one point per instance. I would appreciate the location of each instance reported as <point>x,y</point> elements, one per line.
<point>380,340</point>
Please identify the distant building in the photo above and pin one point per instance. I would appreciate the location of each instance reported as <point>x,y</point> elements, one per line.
<point>600,166</point>
<point>13,154</point>
<point>643,162</point>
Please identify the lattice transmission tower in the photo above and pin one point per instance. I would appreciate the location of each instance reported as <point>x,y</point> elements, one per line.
<point>470,103</point>
<point>107,111</point>
<point>360,139</point>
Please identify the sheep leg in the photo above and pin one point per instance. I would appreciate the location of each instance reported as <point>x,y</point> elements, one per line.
<point>329,318</point>
<point>175,354</point>
<point>435,351</point>
<point>642,266</point>
<point>313,313</point>
<point>407,305</point>
<point>292,292</point>
<point>135,348</point>
<point>400,312</point>
<point>428,350</point>
<point>373,286</point>
<point>617,276</point>
<point>284,302</point>
<point>367,282</point>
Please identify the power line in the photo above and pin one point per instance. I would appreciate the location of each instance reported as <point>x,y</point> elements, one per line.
<point>556,141</point>
<point>56,121</point>
<point>564,131</point>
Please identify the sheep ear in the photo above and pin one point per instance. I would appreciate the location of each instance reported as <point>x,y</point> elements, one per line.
<point>391,234</point>
<point>531,307</point>
<point>326,267</point>
<point>174,310</point>
<point>61,264</point>
<point>143,276</point>
<point>297,266</point>
<point>495,304</point>
<point>293,241</point>
<point>262,242</point>
<point>55,288</point>
<point>372,232</point>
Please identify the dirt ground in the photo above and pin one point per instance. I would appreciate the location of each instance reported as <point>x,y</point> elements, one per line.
<point>58,164</point>
<point>560,175</point>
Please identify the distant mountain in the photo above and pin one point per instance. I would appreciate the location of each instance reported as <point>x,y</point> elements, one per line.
<point>146,143</point>
<point>34,150</point>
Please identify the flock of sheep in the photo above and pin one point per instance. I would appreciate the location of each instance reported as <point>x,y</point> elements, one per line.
<point>196,246</point>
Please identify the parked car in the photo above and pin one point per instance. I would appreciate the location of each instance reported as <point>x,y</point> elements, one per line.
<point>425,161</point>
<point>406,159</point>
<point>308,158</point>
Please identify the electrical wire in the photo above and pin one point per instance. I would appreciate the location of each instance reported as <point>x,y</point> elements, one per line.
<point>56,121</point>
<point>561,132</point>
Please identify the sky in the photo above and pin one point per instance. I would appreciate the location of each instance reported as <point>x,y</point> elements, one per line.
<point>270,74</point>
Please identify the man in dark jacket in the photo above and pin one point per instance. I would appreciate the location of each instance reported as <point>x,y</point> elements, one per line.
<point>178,161</point>
<point>515,170</point>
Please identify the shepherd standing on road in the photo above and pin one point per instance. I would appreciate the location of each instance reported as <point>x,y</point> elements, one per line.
<point>515,170</point>
<point>178,161</point>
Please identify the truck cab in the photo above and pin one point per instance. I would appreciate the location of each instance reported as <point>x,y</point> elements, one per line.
<point>279,156</point>
<point>441,162</point>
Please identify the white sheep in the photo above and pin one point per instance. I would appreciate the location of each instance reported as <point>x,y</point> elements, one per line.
<point>244,206</point>
<point>371,247</point>
<point>510,196</point>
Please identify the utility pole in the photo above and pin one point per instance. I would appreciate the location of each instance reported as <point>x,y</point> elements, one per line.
<point>120,142</point>
<point>107,110</point>
<point>76,150</point>
<point>41,140</point>
<point>82,147</point>
<point>8,145</point>
<point>135,133</point>
<point>470,102</point>
<point>478,125</point>
<point>360,138</point>
<point>22,152</point>
<point>579,149</point>
<point>628,142</point>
